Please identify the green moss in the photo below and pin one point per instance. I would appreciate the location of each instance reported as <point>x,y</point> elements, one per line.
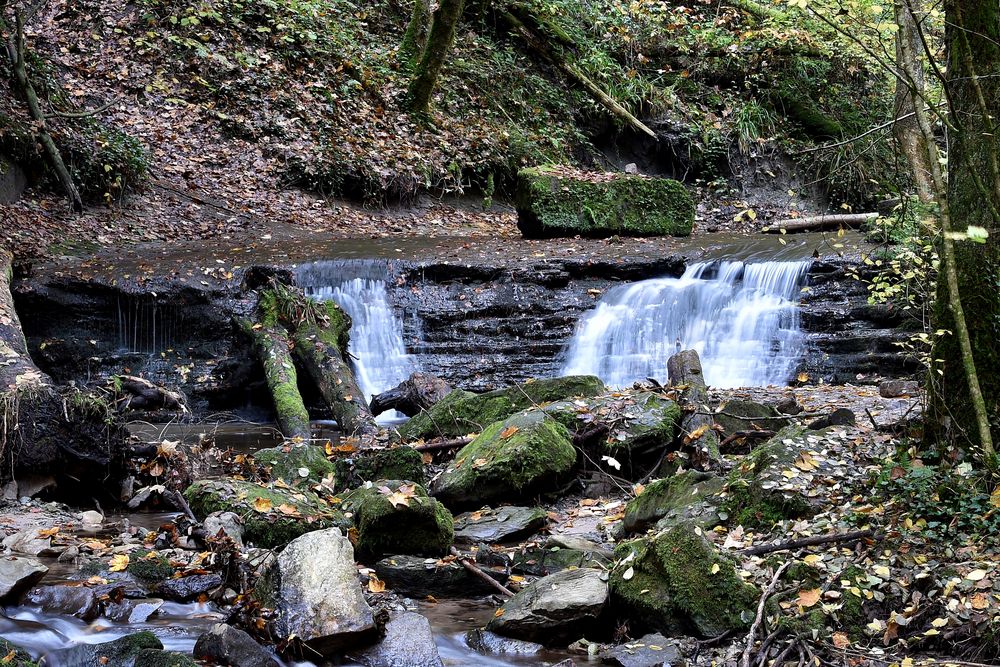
<point>270,528</point>
<point>462,412</point>
<point>368,465</point>
<point>416,525</point>
<point>641,420</point>
<point>521,455</point>
<point>18,656</point>
<point>672,586</point>
<point>551,203</point>
<point>148,569</point>
<point>852,615</point>
<point>687,496</point>
<point>154,658</point>
<point>287,462</point>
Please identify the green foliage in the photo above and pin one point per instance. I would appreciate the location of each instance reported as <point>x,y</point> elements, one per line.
<point>752,123</point>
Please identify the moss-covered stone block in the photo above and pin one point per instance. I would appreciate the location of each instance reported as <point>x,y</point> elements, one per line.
<point>557,201</point>
<point>288,463</point>
<point>398,517</point>
<point>462,412</point>
<point>676,581</point>
<point>368,465</point>
<point>691,496</point>
<point>525,453</point>
<point>272,515</point>
<point>639,420</point>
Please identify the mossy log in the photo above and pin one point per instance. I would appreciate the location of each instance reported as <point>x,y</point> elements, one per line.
<point>318,348</point>
<point>271,347</point>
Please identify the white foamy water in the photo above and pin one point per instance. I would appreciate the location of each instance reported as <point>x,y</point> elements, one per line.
<point>743,320</point>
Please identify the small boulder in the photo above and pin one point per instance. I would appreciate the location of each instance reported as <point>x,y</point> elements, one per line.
<point>490,643</point>
<point>78,601</point>
<point>313,585</point>
<point>226,645</point>
<point>559,606</point>
<point>419,577</point>
<point>839,417</point>
<point>503,524</point>
<point>123,652</point>
<point>653,650</point>
<point>408,641</point>
<point>272,516</point>
<point>185,589</point>
<point>898,388</point>
<point>368,465</point>
<point>300,464</point>
<point>462,412</point>
<point>637,420</point>
<point>677,580</point>
<point>225,523</point>
<point>131,611</point>
<point>509,460</point>
<point>689,496</point>
<point>18,574</point>
<point>398,517</point>
<point>740,415</point>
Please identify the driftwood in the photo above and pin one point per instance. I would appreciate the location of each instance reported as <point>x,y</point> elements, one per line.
<point>811,542</point>
<point>141,394</point>
<point>684,369</point>
<point>413,395</point>
<point>447,444</point>
<point>819,222</point>
<point>471,567</point>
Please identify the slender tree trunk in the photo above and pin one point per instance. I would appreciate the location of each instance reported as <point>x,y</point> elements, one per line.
<point>415,37</point>
<point>908,95</point>
<point>966,373</point>
<point>439,43</point>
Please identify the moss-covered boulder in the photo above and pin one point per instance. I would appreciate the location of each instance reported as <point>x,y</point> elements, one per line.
<point>557,201</point>
<point>511,459</point>
<point>368,465</point>
<point>298,464</point>
<point>778,480</point>
<point>272,515</point>
<point>676,581</point>
<point>462,412</point>
<point>688,497</point>
<point>398,517</point>
<point>638,420</point>
<point>122,652</point>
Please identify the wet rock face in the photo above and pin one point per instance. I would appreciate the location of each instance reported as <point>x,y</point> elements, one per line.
<point>653,650</point>
<point>398,517</point>
<point>503,524</point>
<point>124,652</point>
<point>18,574</point>
<point>408,641</point>
<point>419,577</point>
<point>226,645</point>
<point>76,601</point>
<point>188,588</point>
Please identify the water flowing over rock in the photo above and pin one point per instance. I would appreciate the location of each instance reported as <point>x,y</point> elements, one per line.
<point>408,641</point>
<point>742,319</point>
<point>226,645</point>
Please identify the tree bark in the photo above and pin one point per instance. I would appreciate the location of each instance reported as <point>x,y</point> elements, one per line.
<point>415,37</point>
<point>416,393</point>
<point>439,43</point>
<point>271,347</point>
<point>965,377</point>
<point>818,222</point>
<point>684,369</point>
<point>906,129</point>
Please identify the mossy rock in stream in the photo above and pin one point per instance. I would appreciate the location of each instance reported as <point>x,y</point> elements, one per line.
<point>264,524</point>
<point>149,568</point>
<point>677,581</point>
<point>462,412</point>
<point>368,465</point>
<point>18,657</point>
<point>398,517</point>
<point>687,497</point>
<point>526,453</point>
<point>288,462</point>
<point>639,421</point>
<point>154,658</point>
<point>555,201</point>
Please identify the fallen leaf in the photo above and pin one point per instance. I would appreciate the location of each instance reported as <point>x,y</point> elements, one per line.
<point>809,597</point>
<point>119,563</point>
<point>262,504</point>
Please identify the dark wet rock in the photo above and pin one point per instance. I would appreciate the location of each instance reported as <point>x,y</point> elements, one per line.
<point>839,417</point>
<point>150,496</point>
<point>740,415</point>
<point>268,528</point>
<point>490,643</point>
<point>462,412</point>
<point>689,496</point>
<point>299,464</point>
<point>419,577</point>
<point>684,370</point>
<point>634,421</point>
<point>123,652</point>
<point>229,524</point>
<point>368,465</point>
<point>408,641</point>
<point>555,607</point>
<point>78,601</point>
<point>226,645</point>
<point>898,388</point>
<point>502,524</point>
<point>539,561</point>
<point>577,543</point>
<point>677,580</point>
<point>13,180</point>
<point>652,650</point>
<point>18,574</point>
<point>313,584</point>
<point>512,459</point>
<point>30,542</point>
<point>398,517</point>
<point>788,405</point>
<point>185,589</point>
<point>554,202</point>
<point>132,611</point>
<point>18,656</point>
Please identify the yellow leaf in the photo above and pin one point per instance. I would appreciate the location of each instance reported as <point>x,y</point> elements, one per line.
<point>715,568</point>
<point>262,504</point>
<point>119,563</point>
<point>995,497</point>
<point>809,597</point>
<point>9,658</point>
<point>939,622</point>
<point>376,585</point>
<point>805,462</point>
<point>803,378</point>
<point>840,640</point>
<point>48,532</point>
<point>976,575</point>
<point>287,509</point>
<point>508,432</point>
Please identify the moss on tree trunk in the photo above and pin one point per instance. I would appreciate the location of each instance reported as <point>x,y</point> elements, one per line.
<point>439,43</point>
<point>415,36</point>
<point>271,346</point>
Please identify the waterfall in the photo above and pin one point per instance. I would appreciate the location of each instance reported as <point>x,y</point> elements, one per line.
<point>377,347</point>
<point>742,319</point>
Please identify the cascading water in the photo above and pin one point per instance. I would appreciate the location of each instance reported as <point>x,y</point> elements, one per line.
<point>741,318</point>
<point>377,346</point>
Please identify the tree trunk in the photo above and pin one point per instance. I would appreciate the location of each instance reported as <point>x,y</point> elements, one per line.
<point>684,369</point>
<point>439,43</point>
<point>908,94</point>
<point>416,393</point>
<point>965,382</point>
<point>415,37</point>
<point>271,346</point>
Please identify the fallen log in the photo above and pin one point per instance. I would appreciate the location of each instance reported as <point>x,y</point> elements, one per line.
<point>416,393</point>
<point>141,394</point>
<point>447,444</point>
<point>471,567</point>
<point>819,222</point>
<point>811,542</point>
<point>271,347</point>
